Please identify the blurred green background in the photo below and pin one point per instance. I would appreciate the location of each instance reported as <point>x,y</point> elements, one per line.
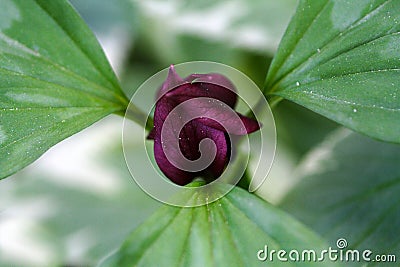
<point>77,203</point>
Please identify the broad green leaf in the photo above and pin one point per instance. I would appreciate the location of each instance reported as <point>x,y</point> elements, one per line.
<point>341,59</point>
<point>228,232</point>
<point>350,189</point>
<point>54,79</point>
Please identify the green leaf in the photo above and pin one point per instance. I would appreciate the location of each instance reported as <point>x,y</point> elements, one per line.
<point>350,189</point>
<point>228,232</point>
<point>54,79</point>
<point>342,59</point>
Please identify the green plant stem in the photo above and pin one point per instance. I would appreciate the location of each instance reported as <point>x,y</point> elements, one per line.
<point>135,114</point>
<point>244,182</point>
<point>273,100</point>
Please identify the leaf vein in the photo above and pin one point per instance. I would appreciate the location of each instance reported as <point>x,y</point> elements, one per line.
<point>182,256</point>
<point>323,47</point>
<point>75,42</point>
<point>232,239</point>
<point>33,133</point>
<point>304,33</point>
<point>67,72</point>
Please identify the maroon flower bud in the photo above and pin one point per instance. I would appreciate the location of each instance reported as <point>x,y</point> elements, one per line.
<point>187,112</point>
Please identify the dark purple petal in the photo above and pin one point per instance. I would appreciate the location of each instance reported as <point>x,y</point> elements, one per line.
<point>250,124</point>
<point>216,114</point>
<point>235,128</point>
<point>211,78</point>
<point>210,115</point>
<point>180,177</point>
<point>152,134</point>
<point>213,85</point>
<point>188,91</point>
<point>176,175</point>
<point>173,80</point>
<point>189,141</point>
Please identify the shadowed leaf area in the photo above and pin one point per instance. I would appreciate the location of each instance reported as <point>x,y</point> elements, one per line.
<point>349,188</point>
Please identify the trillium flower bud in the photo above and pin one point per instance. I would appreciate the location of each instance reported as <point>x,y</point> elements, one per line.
<point>188,111</point>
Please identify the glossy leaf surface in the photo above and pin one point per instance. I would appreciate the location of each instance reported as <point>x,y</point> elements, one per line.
<point>54,79</point>
<point>341,59</point>
<point>228,232</point>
